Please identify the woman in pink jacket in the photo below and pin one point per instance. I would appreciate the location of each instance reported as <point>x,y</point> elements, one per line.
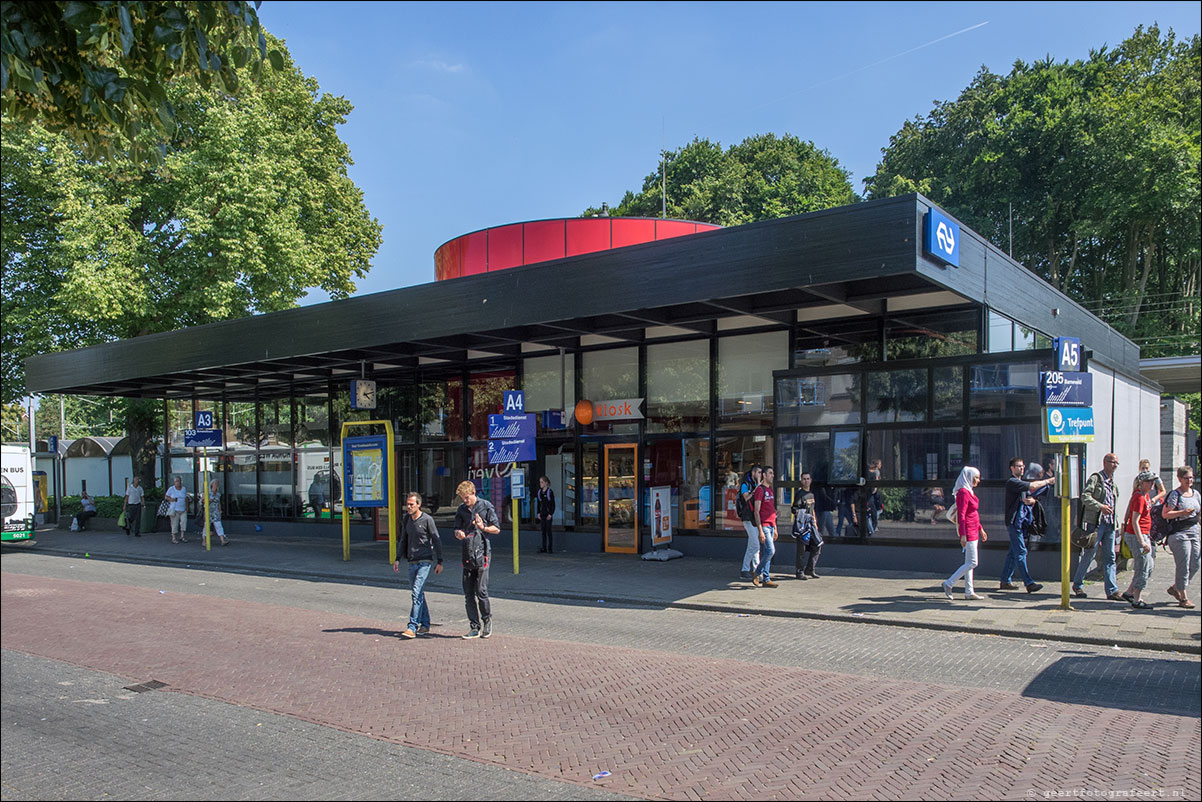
<point>968,521</point>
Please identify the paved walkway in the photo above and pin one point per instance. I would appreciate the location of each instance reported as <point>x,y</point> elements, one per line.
<point>870,597</point>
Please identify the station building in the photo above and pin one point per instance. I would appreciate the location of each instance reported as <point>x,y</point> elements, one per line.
<point>846,343</point>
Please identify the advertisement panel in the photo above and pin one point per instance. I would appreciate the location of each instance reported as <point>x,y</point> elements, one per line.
<point>365,460</point>
<point>661,516</point>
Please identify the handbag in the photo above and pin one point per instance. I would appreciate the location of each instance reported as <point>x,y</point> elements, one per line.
<point>1084,537</point>
<point>164,508</point>
<point>1125,551</point>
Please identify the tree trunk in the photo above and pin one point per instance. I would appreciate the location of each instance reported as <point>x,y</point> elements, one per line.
<point>142,418</point>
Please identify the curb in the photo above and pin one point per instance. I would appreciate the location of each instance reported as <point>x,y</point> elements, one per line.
<point>1122,643</point>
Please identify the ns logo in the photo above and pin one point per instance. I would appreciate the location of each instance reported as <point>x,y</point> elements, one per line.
<point>946,238</point>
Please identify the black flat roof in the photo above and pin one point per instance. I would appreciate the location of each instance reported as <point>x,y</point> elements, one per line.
<point>864,258</point>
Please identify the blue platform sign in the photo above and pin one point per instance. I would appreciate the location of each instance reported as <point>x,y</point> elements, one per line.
<point>1068,425</point>
<point>204,419</point>
<point>202,438</point>
<point>1068,353</point>
<point>53,444</point>
<point>515,401</point>
<point>501,452</point>
<point>510,427</point>
<point>941,238</point>
<point>1060,389</point>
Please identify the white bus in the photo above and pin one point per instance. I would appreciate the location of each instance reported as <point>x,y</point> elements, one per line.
<point>16,493</point>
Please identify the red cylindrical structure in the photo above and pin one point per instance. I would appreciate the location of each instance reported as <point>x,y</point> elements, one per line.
<point>536,241</point>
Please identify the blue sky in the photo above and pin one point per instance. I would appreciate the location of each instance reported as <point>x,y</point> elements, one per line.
<point>478,114</point>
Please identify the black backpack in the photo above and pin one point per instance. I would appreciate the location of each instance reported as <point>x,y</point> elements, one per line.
<point>742,507</point>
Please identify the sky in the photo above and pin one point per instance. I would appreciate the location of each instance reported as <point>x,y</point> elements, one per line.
<point>472,115</point>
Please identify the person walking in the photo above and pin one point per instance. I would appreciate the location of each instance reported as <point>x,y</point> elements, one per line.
<point>475,520</point>
<point>1158,491</point>
<point>1182,510</point>
<point>545,512</point>
<point>743,502</point>
<point>968,521</point>
<point>806,531</point>
<point>177,501</point>
<point>1019,502</point>
<point>1137,532</point>
<point>215,512</point>
<point>421,546</point>
<point>131,507</point>
<point>1098,501</point>
<point>763,509</point>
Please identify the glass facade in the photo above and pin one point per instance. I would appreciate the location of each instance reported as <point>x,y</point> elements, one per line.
<point>882,440</point>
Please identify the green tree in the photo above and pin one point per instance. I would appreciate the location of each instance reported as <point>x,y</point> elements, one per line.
<point>1098,159</point>
<point>762,178</point>
<point>99,71</point>
<point>250,208</point>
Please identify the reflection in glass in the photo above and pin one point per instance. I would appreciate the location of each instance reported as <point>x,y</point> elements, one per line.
<point>1004,390</point>
<point>590,484</point>
<point>897,395</point>
<point>682,465</point>
<point>608,376</point>
<point>621,531</point>
<point>845,462</point>
<point>833,399</point>
<point>948,392</point>
<point>735,456</point>
<point>678,387</point>
<point>745,365</point>
<point>804,452</point>
<point>994,446</point>
<point>1001,334</point>
<point>917,455</point>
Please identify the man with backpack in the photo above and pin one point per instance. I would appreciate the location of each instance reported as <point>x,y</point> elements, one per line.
<point>806,531</point>
<point>1019,503</point>
<point>751,557</point>
<point>475,520</point>
<point>1098,501</point>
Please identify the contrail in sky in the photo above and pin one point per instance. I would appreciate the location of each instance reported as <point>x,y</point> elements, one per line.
<point>873,64</point>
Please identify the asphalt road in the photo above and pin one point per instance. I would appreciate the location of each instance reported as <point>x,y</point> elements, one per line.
<point>71,731</point>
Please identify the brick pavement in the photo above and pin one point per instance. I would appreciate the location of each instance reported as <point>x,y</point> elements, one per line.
<point>874,597</point>
<point>666,725</point>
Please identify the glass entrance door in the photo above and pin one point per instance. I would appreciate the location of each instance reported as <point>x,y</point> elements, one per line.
<point>621,520</point>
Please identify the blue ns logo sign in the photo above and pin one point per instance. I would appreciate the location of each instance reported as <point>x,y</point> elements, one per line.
<point>942,238</point>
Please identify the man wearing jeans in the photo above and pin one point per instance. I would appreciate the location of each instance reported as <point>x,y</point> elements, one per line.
<point>1097,501</point>
<point>763,509</point>
<point>420,544</point>
<point>751,559</point>
<point>1018,512</point>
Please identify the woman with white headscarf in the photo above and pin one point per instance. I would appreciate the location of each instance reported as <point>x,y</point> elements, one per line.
<point>968,521</point>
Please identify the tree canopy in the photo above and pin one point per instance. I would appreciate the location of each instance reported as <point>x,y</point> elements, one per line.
<point>1099,159</point>
<point>761,178</point>
<point>99,72</point>
<point>250,208</point>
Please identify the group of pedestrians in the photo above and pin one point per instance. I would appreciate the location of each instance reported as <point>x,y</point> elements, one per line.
<point>420,545</point>
<point>1100,505</point>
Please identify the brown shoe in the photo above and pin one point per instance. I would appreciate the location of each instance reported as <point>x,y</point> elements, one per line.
<point>409,633</point>
<point>768,583</point>
<point>423,630</point>
<point>755,580</point>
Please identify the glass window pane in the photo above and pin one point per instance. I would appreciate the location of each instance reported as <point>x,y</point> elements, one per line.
<point>818,400</point>
<point>807,452</point>
<point>590,484</point>
<point>745,366</point>
<point>735,456</point>
<point>897,395</point>
<point>609,376</point>
<point>949,393</point>
<point>276,482</point>
<point>678,387</point>
<point>994,446</point>
<point>917,454</point>
<point>440,409</point>
<point>492,482</point>
<point>927,334</point>
<point>276,416</point>
<point>440,470</point>
<point>683,466</point>
<point>1024,340</point>
<point>546,385</point>
<point>1005,390</point>
<point>845,458</point>
<point>317,487</point>
<point>399,404</point>
<point>1001,334</point>
<point>486,396</point>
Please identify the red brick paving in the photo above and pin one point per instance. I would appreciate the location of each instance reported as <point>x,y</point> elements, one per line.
<point>666,725</point>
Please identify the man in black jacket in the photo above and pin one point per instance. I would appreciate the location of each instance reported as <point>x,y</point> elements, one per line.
<point>420,544</point>
<point>475,520</point>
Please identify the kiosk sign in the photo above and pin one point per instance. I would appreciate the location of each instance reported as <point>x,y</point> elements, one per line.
<point>1068,425</point>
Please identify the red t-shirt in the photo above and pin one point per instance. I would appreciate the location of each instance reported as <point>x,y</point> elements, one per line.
<point>767,499</point>
<point>1140,509</point>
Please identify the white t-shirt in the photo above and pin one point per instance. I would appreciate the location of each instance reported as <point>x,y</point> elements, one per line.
<point>133,494</point>
<point>178,498</point>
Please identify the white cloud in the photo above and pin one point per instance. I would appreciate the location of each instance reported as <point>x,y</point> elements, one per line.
<point>438,65</point>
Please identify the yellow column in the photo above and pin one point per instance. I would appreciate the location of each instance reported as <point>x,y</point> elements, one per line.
<point>208,537</point>
<point>1065,476</point>
<point>515,535</point>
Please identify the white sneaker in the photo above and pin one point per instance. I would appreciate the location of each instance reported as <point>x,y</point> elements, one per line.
<point>947,591</point>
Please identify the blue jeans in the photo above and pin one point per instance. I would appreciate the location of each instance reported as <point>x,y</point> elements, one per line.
<point>767,549</point>
<point>419,614</point>
<point>1103,550</point>
<point>1016,557</point>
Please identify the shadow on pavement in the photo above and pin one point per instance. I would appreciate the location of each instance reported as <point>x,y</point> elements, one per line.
<point>1145,684</point>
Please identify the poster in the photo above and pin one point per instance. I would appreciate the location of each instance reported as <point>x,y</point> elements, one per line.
<point>661,516</point>
<point>366,471</point>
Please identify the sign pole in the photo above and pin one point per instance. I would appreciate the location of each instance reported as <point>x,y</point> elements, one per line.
<point>207,512</point>
<point>515,535</point>
<point>1064,539</point>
